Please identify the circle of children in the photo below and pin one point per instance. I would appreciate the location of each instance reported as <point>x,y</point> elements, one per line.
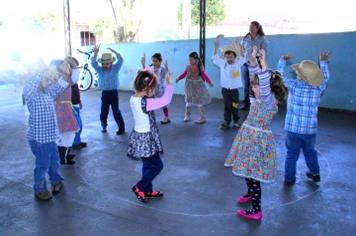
<point>54,106</point>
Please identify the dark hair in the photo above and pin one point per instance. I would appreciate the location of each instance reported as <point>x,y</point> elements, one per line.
<point>75,61</point>
<point>145,81</point>
<point>278,88</point>
<point>157,56</point>
<point>230,52</point>
<point>259,29</point>
<point>196,56</point>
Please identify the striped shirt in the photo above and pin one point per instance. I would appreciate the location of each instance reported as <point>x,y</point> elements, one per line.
<point>108,78</point>
<point>40,102</point>
<point>264,83</point>
<point>303,101</point>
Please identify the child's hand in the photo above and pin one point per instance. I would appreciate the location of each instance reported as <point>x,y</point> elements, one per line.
<point>253,60</point>
<point>96,49</point>
<point>166,66</point>
<point>324,56</point>
<point>177,80</point>
<point>168,78</point>
<point>287,56</point>
<point>217,40</point>
<point>143,60</point>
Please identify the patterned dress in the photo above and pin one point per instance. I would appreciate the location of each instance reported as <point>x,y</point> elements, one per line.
<point>147,144</point>
<point>161,83</point>
<point>253,152</point>
<point>195,89</point>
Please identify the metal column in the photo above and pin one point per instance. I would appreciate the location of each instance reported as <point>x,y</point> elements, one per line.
<point>67,33</point>
<point>202,18</point>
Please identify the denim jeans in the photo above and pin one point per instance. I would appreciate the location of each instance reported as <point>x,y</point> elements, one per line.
<point>47,161</point>
<point>77,139</point>
<point>245,76</point>
<point>111,98</point>
<point>151,167</point>
<point>294,143</point>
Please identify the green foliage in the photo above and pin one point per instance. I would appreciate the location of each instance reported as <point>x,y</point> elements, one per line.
<point>99,26</point>
<point>215,12</point>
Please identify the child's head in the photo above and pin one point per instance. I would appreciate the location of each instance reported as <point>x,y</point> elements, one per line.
<point>156,59</point>
<point>230,57</point>
<point>145,82</point>
<point>194,59</point>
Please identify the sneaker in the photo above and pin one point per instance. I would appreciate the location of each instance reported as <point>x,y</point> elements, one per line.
<point>165,121</point>
<point>224,126</point>
<point>244,199</point>
<point>289,183</point>
<point>79,146</point>
<point>43,196</point>
<point>103,130</point>
<point>140,195</point>
<point>200,121</point>
<point>154,194</point>
<point>250,216</point>
<point>120,132</point>
<point>186,119</point>
<point>314,177</point>
<point>56,188</point>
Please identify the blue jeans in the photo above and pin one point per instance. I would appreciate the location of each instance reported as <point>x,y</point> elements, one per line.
<point>111,98</point>
<point>294,143</point>
<point>245,76</point>
<point>77,139</point>
<point>47,161</point>
<point>151,167</point>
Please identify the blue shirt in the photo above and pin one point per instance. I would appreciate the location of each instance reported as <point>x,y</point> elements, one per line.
<point>108,78</point>
<point>40,102</point>
<point>303,102</point>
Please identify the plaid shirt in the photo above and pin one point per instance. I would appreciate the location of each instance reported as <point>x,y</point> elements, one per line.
<point>40,103</point>
<point>303,101</point>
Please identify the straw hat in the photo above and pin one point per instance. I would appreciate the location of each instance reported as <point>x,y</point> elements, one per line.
<point>232,47</point>
<point>309,72</point>
<point>106,58</point>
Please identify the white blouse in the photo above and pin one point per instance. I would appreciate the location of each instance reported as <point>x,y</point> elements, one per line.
<point>142,122</point>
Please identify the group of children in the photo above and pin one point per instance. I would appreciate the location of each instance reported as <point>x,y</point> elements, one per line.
<point>253,152</point>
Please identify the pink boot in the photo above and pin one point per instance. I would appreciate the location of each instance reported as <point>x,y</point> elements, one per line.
<point>256,216</point>
<point>244,199</point>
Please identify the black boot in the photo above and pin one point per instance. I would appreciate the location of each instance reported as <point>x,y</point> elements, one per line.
<point>62,154</point>
<point>69,157</point>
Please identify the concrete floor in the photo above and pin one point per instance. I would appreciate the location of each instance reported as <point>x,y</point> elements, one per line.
<point>200,192</point>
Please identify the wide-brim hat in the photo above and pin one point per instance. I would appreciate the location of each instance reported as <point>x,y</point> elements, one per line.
<point>233,48</point>
<point>309,72</point>
<point>106,58</point>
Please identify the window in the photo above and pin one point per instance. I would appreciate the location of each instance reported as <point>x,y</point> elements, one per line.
<point>87,38</point>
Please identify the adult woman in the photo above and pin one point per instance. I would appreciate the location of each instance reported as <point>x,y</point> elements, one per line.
<point>255,37</point>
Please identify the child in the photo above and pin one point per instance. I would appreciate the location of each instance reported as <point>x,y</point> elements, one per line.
<point>230,81</point>
<point>145,142</point>
<point>196,92</point>
<point>40,91</point>
<point>302,111</point>
<point>66,121</point>
<point>253,152</point>
<point>108,74</point>
<point>77,105</point>
<point>160,71</point>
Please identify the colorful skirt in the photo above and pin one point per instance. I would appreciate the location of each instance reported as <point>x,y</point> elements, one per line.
<point>196,92</point>
<point>65,117</point>
<point>253,154</point>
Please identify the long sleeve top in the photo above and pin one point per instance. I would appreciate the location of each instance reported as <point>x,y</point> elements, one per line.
<point>108,78</point>
<point>303,101</point>
<point>264,83</point>
<point>40,102</point>
<point>203,75</point>
<point>230,74</point>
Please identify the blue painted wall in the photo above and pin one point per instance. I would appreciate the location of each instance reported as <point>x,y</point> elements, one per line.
<point>341,93</point>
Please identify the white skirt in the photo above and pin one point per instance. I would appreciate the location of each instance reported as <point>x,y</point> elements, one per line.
<point>66,139</point>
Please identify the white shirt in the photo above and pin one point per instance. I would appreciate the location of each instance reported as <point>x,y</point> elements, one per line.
<point>230,74</point>
<point>141,120</point>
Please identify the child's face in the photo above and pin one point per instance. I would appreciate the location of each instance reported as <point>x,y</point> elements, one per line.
<point>155,62</point>
<point>193,61</point>
<point>230,58</point>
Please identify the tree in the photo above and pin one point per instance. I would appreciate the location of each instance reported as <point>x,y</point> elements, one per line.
<point>100,25</point>
<point>215,12</point>
<point>129,24</point>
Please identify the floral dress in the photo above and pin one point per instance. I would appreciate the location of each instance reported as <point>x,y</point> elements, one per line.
<point>195,89</point>
<point>253,152</point>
